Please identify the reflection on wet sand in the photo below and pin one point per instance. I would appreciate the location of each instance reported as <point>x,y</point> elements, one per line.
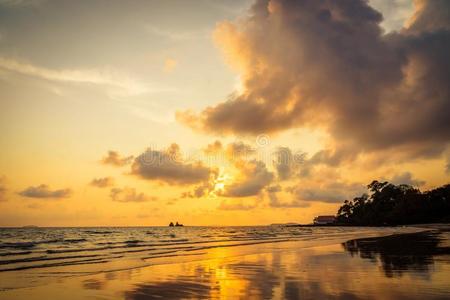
<point>401,253</point>
<point>169,290</point>
<point>93,284</point>
<point>235,280</point>
<point>318,273</point>
<point>362,269</point>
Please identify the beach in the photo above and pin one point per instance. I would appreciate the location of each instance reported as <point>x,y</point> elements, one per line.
<point>386,263</point>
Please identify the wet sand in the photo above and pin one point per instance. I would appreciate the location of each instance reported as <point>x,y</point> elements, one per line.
<point>407,266</point>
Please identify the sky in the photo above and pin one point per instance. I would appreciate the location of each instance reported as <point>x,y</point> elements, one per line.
<point>213,112</point>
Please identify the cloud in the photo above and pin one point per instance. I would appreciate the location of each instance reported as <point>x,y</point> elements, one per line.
<point>332,158</point>
<point>253,177</point>
<point>272,192</point>
<point>44,191</point>
<point>102,182</point>
<point>223,154</point>
<point>214,148</point>
<point>287,163</point>
<point>199,191</point>
<point>395,13</point>
<point>127,194</point>
<point>333,68</point>
<point>231,150</point>
<point>103,77</point>
<point>233,154</point>
<point>168,166</point>
<point>429,15</point>
<point>238,150</point>
<point>284,163</point>
<point>329,192</point>
<point>447,166</point>
<point>406,178</point>
<point>115,159</point>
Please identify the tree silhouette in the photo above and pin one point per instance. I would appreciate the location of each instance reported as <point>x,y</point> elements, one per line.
<point>389,204</point>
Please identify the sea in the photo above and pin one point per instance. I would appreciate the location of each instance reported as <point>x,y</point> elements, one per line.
<point>108,248</point>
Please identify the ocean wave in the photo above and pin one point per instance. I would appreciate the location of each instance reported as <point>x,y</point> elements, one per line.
<point>15,253</point>
<point>54,247</point>
<point>74,241</point>
<point>59,264</point>
<point>27,245</point>
<point>56,251</point>
<point>173,241</point>
<point>152,249</point>
<point>133,241</point>
<point>121,242</point>
<point>98,232</point>
<point>139,245</point>
<point>19,245</point>
<point>44,258</point>
<point>173,255</point>
<point>171,235</point>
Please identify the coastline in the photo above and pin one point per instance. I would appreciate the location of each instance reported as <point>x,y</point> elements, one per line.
<point>287,268</point>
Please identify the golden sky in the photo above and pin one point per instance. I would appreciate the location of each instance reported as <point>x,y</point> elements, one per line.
<point>216,112</point>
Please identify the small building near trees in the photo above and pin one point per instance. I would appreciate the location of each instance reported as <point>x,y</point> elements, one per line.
<point>324,220</point>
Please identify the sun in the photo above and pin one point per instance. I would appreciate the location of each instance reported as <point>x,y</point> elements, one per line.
<point>219,186</point>
<point>221,181</point>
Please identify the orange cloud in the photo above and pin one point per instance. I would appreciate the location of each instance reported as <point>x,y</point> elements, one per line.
<point>127,194</point>
<point>115,159</point>
<point>253,177</point>
<point>328,64</point>
<point>44,191</point>
<point>102,182</point>
<point>169,166</point>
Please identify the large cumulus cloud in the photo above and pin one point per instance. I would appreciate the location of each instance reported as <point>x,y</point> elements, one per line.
<point>328,64</point>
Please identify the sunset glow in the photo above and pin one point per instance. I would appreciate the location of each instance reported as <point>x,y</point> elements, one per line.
<point>215,112</point>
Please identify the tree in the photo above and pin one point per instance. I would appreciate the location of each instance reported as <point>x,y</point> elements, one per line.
<point>389,204</point>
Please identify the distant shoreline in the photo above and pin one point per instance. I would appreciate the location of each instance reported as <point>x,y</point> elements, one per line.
<point>351,225</point>
<point>281,225</point>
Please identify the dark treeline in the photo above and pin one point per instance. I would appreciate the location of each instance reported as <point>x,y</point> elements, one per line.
<point>389,204</point>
